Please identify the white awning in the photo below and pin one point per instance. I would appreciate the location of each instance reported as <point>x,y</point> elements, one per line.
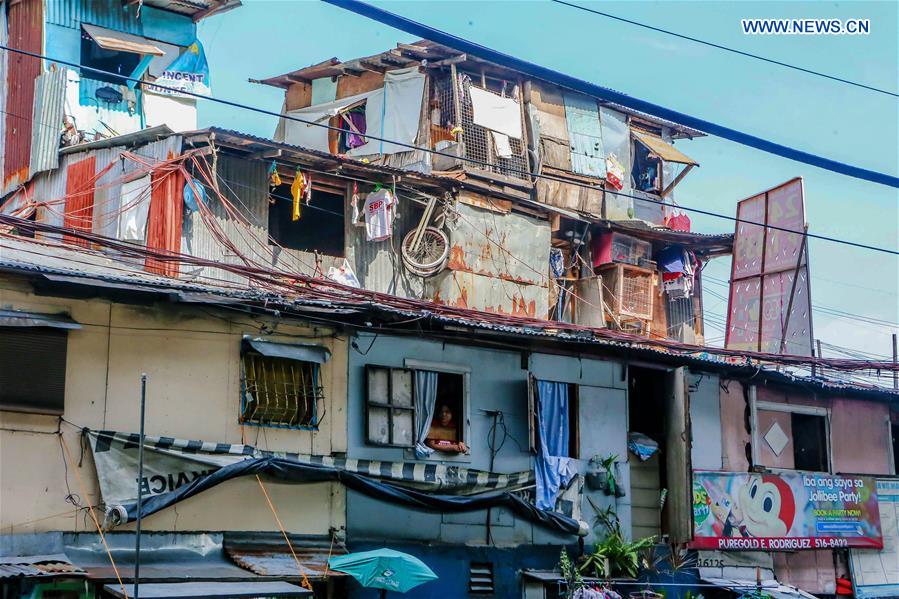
<point>119,41</point>
<point>771,588</point>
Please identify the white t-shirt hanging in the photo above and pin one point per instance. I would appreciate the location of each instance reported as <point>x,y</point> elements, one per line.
<point>380,207</point>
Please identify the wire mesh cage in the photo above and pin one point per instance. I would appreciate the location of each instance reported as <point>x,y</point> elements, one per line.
<point>629,290</point>
<point>477,141</point>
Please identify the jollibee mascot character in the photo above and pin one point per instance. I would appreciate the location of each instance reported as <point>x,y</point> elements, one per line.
<point>767,507</point>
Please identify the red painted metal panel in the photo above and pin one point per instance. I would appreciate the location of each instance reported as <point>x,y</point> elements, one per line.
<point>81,182</point>
<point>164,220</point>
<point>26,25</point>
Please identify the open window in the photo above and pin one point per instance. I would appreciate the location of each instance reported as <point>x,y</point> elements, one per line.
<point>416,407</point>
<point>281,383</point>
<point>115,52</point>
<point>791,436</point>
<point>647,169</point>
<point>33,361</point>
<point>320,226</point>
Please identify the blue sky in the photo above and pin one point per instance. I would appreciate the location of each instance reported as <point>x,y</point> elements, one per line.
<point>267,37</point>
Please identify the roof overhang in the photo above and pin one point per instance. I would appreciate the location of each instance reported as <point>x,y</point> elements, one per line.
<point>663,149</point>
<point>119,41</point>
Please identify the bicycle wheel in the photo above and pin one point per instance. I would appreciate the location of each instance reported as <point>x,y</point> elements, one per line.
<point>431,255</point>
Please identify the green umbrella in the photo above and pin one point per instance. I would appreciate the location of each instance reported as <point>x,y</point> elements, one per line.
<point>384,569</point>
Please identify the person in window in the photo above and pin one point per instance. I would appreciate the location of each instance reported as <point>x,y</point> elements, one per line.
<point>443,435</point>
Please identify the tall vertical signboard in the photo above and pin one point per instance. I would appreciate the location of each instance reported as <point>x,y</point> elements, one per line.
<point>769,307</point>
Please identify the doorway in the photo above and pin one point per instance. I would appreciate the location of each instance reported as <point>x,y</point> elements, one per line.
<point>661,483</point>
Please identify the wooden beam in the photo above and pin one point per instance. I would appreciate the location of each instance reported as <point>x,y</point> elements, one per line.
<point>677,180</point>
<point>450,61</point>
<point>265,155</point>
<point>373,66</point>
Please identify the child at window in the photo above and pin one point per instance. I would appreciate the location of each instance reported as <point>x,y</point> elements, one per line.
<point>443,435</point>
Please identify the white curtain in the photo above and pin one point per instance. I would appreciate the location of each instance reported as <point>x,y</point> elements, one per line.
<point>425,400</point>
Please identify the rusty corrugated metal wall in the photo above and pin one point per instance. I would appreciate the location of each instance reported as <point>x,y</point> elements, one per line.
<point>3,86</point>
<point>79,206</point>
<point>498,263</point>
<point>26,25</point>
<point>47,120</point>
<point>378,264</point>
<point>107,193</point>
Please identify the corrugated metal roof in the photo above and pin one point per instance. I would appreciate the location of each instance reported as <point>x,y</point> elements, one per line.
<point>47,125</point>
<point>663,149</point>
<point>21,255</point>
<point>38,565</point>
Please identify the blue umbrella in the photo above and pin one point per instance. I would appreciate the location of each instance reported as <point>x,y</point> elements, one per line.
<point>384,569</point>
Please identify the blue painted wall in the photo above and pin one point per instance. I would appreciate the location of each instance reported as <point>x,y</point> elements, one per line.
<point>451,564</point>
<point>497,382</point>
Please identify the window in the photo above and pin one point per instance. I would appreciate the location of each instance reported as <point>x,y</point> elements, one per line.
<point>647,171</point>
<point>319,228</point>
<point>32,368</point>
<point>115,61</point>
<point>791,436</point>
<point>809,442</point>
<point>574,437</point>
<point>391,415</point>
<point>390,409</point>
<point>281,384</point>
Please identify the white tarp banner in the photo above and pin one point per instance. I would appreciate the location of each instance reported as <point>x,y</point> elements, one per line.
<point>315,137</point>
<point>495,112</point>
<point>134,209</point>
<point>393,113</point>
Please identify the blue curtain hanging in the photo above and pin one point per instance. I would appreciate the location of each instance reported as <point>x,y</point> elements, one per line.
<point>553,466</point>
<point>425,400</point>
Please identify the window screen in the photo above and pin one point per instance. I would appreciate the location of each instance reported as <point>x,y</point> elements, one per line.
<point>280,392</point>
<point>390,410</point>
<point>32,369</point>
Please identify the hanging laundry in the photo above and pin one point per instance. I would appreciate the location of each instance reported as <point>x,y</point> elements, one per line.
<point>344,275</point>
<point>556,263</point>
<point>297,191</point>
<point>357,216</point>
<point>614,172</point>
<point>501,144</point>
<point>671,259</point>
<point>357,120</point>
<point>273,175</point>
<point>380,206</point>
<point>678,222</point>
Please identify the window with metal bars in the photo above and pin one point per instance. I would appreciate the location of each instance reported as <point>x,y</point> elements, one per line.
<point>476,140</point>
<point>280,392</point>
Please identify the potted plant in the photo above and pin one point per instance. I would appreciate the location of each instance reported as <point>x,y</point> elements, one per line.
<point>604,475</point>
<point>614,555</point>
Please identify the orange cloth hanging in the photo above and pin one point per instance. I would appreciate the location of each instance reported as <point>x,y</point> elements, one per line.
<point>164,220</point>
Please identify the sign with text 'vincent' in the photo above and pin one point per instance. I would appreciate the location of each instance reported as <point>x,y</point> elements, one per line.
<point>770,304</point>
<point>787,511</point>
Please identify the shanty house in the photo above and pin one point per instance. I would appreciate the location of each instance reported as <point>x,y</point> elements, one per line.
<point>53,102</point>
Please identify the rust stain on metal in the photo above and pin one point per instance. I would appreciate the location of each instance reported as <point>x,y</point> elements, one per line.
<point>26,24</point>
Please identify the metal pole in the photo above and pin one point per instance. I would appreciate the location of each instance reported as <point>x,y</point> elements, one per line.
<point>820,355</point>
<point>895,360</point>
<point>140,481</point>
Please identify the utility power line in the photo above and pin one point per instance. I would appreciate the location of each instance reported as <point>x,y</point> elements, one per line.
<point>609,95</point>
<point>727,49</point>
<point>482,163</point>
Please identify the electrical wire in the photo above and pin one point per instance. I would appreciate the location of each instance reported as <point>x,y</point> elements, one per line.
<point>726,48</point>
<point>609,95</point>
<point>887,179</point>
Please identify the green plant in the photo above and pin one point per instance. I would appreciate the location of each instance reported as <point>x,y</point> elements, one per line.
<point>671,560</point>
<point>615,555</point>
<point>570,572</point>
<point>608,464</point>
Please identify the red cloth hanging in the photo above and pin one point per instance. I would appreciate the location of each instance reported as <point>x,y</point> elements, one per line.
<point>78,213</point>
<point>164,219</point>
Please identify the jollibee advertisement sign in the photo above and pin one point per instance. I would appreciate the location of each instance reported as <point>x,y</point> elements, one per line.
<point>785,511</point>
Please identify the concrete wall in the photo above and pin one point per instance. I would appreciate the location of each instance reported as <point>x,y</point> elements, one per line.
<point>497,382</point>
<point>192,357</point>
